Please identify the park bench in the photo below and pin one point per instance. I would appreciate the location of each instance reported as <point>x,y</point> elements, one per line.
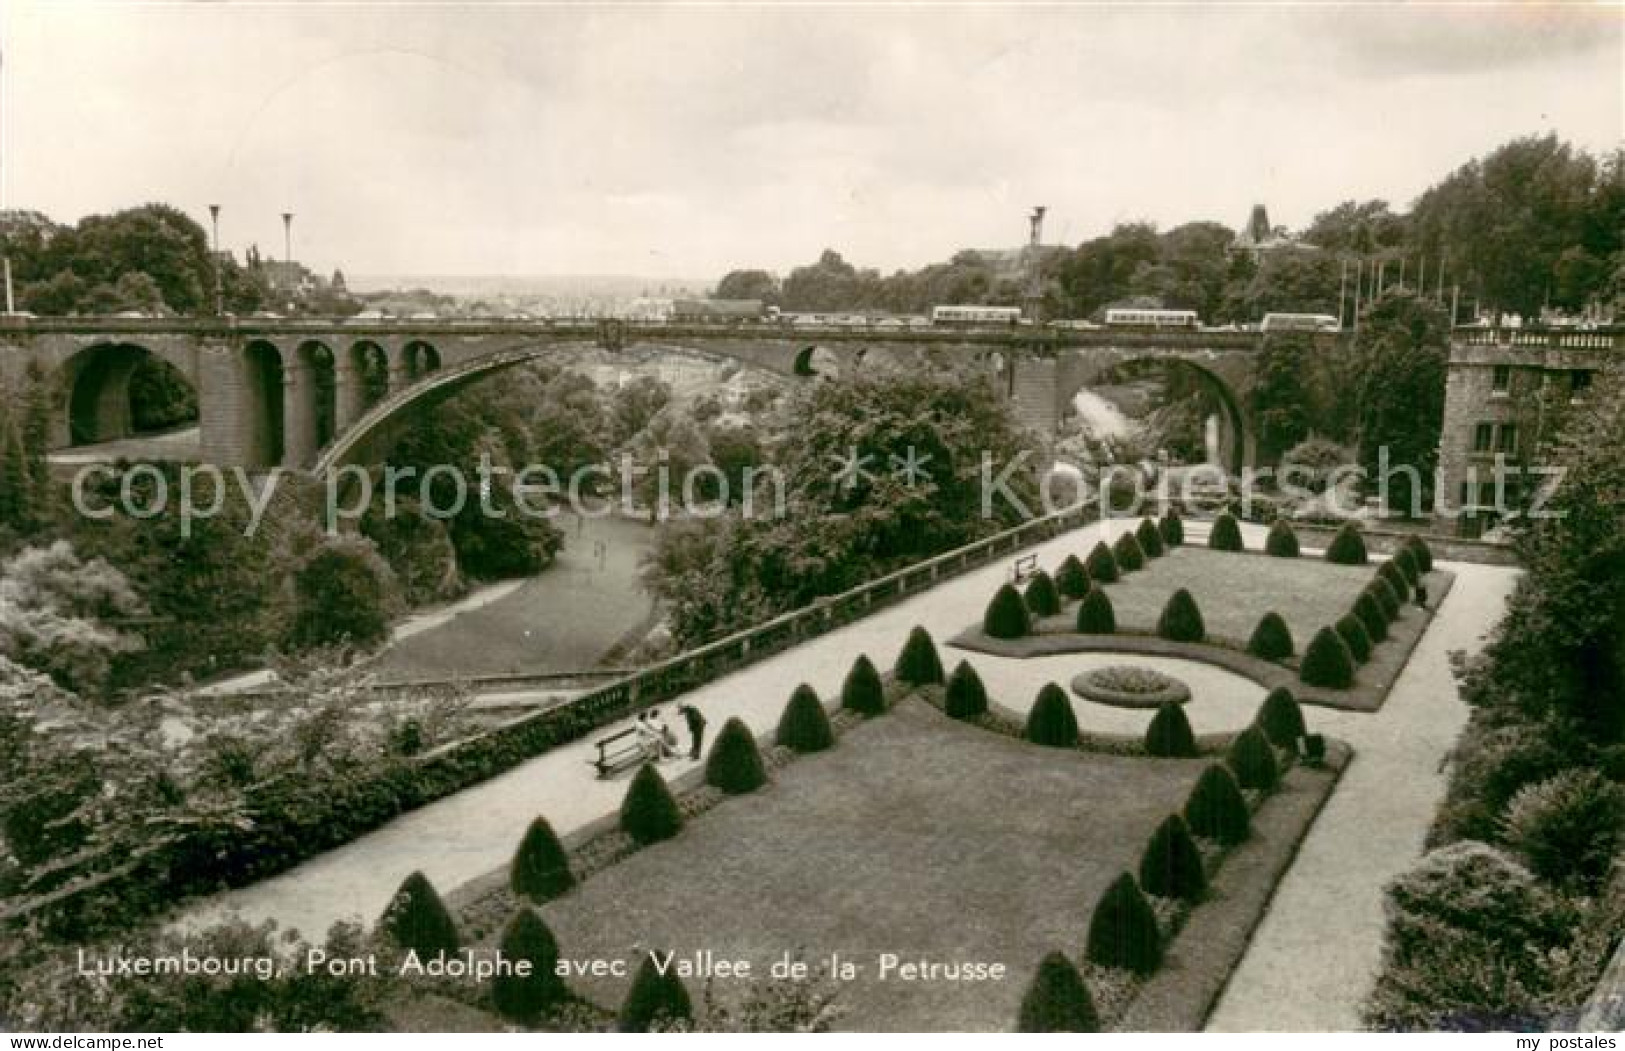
<point>619,752</point>
<point>1026,566</point>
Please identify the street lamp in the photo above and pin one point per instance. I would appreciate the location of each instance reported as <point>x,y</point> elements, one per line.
<point>219,287</point>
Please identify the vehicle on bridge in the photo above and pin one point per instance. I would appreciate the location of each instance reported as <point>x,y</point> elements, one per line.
<point>1142,317</point>
<point>975,315</point>
<point>726,311</point>
<point>1300,323</point>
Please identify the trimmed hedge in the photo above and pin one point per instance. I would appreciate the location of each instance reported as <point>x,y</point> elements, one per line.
<point>1150,540</point>
<point>1095,615</point>
<point>1281,718</point>
<point>1327,662</point>
<point>1172,528</point>
<point>1071,578</point>
<point>1422,552</point>
<point>1102,564</point>
<point>416,919</point>
<point>919,664</point>
<point>804,727</point>
<point>1371,616</point>
<point>1216,808</point>
<point>1347,547</point>
<point>1281,542</point>
<point>1170,736</point>
<point>965,697</point>
<point>524,998</point>
<point>1043,599</point>
<point>1172,866</point>
<point>654,998</point>
<point>1007,616</point>
<point>1181,620</point>
<point>1057,1001</point>
<point>1386,597</point>
<point>1272,639</point>
<point>1129,555</point>
<point>1395,578</point>
<point>1226,534</point>
<point>1052,721</point>
<point>1352,630</point>
<point>1123,932</point>
<point>649,813</point>
<point>735,763</point>
<point>541,868</point>
<point>1405,559</point>
<point>863,691</point>
<point>1253,760</point>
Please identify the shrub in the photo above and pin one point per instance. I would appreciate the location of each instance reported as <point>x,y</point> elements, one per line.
<point>965,697</point>
<point>1123,932</point>
<point>1052,721</point>
<point>1181,620</point>
<point>1216,808</point>
<point>541,868</point>
<point>1491,766</point>
<point>804,726</point>
<point>1272,639</point>
<point>649,814</point>
<point>1169,736</point>
<point>1405,559</point>
<point>654,999</point>
<point>1172,866</point>
<point>1226,534</point>
<point>523,998</point>
<point>1042,597</point>
<point>1372,618</point>
<point>863,691</point>
<point>1128,553</point>
<point>1253,760</point>
<point>1282,542</point>
<point>1327,662</point>
<point>1071,578</point>
<point>1101,565</point>
<point>1149,538</point>
<point>1390,573</point>
<point>1172,528</point>
<point>735,763</point>
<point>1422,552</point>
<point>344,593</point>
<point>1386,597</point>
<point>1347,547</point>
<point>1007,616</point>
<point>417,919</point>
<point>919,664</point>
<point>1570,827</point>
<point>1351,629</point>
<point>1057,1001</point>
<point>1281,718</point>
<point>1095,616</point>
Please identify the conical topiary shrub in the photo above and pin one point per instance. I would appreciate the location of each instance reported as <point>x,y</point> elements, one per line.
<point>1272,639</point>
<point>1172,528</point>
<point>1101,564</point>
<point>1386,597</point>
<point>541,869</point>
<point>654,998</point>
<point>416,919</point>
<point>1372,618</point>
<point>804,727</point>
<point>918,664</point>
<point>863,692</point>
<point>1123,932</point>
<point>965,697</point>
<point>1282,542</point>
<point>1405,559</point>
<point>1226,534</point>
<point>649,814</point>
<point>1347,547</point>
<point>1352,631</point>
<point>1043,599</point>
<point>1281,718</point>
<point>1423,553</point>
<point>1071,579</point>
<point>1128,554</point>
<point>1051,721</point>
<point>1095,615</point>
<point>1150,539</point>
<point>1181,620</point>
<point>525,997</point>
<point>1057,1001</point>
<point>1216,809</point>
<point>735,763</point>
<point>1253,760</point>
<point>1007,616</point>
<point>1390,573</point>
<point>1172,866</point>
<point>1169,736</point>
<point>1327,662</point>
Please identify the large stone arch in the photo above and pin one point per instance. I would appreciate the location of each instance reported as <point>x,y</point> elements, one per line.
<point>363,380</point>
<point>102,387</point>
<point>262,409</point>
<point>419,358</point>
<point>311,414</point>
<point>817,361</point>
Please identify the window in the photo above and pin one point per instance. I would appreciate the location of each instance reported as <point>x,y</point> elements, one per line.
<point>1580,382</point>
<point>1483,437</point>
<point>1501,379</point>
<point>1508,439</point>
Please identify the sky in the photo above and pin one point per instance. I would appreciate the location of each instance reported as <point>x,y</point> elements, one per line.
<point>666,140</point>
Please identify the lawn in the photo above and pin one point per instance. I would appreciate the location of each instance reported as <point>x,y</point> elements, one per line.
<point>916,836</point>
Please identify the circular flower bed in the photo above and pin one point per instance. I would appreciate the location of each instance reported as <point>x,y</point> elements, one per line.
<point>1127,686</point>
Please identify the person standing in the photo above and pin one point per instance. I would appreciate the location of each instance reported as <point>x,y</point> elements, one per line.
<point>696,728</point>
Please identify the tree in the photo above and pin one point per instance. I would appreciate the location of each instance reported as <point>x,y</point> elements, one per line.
<point>1353,632</point>
<point>1279,401</point>
<point>1043,598</point>
<point>649,814</point>
<point>1095,614</point>
<point>1057,1001</point>
<point>862,691</point>
<point>1181,619</point>
<point>1225,534</point>
<point>1007,615</point>
<point>1272,639</point>
<point>1051,721</point>
<point>735,762</point>
<point>1102,564</point>
<point>965,697</point>
<point>804,727</point>
<point>1216,808</point>
<point>524,998</point>
<point>1403,350</point>
<point>57,616</point>
<point>748,284</point>
<point>344,593</point>
<point>1149,538</point>
<point>1172,866</point>
<point>1169,735</point>
<point>1360,228</point>
<point>541,867</point>
<point>1281,718</point>
<point>1281,542</point>
<point>1253,760</point>
<point>919,664</point>
<point>1123,931</point>
<point>656,997</point>
<point>1347,547</point>
<point>634,404</point>
<point>1071,579</point>
<point>1327,662</point>
<point>416,919</point>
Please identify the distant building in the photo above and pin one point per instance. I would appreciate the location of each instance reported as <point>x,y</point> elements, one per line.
<point>1257,235</point>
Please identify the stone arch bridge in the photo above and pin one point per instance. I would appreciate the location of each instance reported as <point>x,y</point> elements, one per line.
<point>313,394</point>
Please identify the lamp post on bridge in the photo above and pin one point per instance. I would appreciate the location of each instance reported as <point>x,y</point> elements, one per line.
<point>214,237</point>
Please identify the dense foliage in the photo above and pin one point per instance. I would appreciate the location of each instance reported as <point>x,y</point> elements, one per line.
<point>804,726</point>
